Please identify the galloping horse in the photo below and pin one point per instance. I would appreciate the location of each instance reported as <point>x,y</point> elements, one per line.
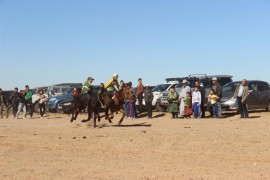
<point>93,105</point>
<point>115,105</point>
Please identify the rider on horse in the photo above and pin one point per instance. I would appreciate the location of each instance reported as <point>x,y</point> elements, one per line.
<point>88,87</point>
<point>113,84</point>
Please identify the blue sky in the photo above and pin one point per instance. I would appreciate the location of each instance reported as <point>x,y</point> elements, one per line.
<point>54,41</point>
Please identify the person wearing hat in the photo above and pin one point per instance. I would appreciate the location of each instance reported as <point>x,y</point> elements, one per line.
<point>28,98</point>
<point>148,98</point>
<point>139,94</point>
<point>88,87</point>
<point>173,99</point>
<point>112,84</point>
<point>218,92</point>
<point>183,94</point>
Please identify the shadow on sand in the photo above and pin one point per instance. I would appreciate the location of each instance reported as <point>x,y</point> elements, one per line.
<point>134,125</point>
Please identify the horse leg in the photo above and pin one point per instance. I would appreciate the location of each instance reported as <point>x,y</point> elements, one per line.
<point>89,113</point>
<point>123,116</point>
<point>111,117</point>
<point>107,113</point>
<point>72,116</point>
<point>97,113</point>
<point>95,119</point>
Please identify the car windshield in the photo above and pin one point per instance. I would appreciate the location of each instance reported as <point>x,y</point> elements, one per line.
<point>230,87</point>
<point>190,84</point>
<point>161,87</point>
<point>59,90</point>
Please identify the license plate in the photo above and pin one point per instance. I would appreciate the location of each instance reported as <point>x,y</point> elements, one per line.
<point>60,107</point>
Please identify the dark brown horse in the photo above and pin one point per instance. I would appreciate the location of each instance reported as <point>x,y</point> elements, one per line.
<point>115,105</point>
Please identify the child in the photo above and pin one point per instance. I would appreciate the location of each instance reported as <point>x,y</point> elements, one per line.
<point>196,101</point>
<point>212,102</point>
<point>188,106</point>
<point>173,99</point>
<point>42,101</point>
<point>75,94</point>
<point>101,88</point>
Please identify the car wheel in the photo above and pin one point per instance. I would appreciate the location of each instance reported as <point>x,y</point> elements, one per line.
<point>159,108</point>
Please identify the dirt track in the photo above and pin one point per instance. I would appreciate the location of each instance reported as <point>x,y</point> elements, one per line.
<point>160,148</point>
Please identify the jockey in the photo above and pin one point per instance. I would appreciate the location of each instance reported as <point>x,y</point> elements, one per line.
<point>88,87</point>
<point>113,84</point>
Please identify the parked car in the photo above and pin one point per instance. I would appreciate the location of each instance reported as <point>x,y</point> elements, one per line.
<point>59,93</point>
<point>203,78</point>
<point>258,98</point>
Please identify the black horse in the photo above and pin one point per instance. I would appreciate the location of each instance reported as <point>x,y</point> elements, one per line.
<point>93,105</point>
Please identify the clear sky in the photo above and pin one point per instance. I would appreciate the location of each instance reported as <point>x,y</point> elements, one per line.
<point>53,41</point>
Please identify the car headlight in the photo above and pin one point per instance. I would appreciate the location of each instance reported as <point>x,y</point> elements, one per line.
<point>52,99</point>
<point>68,104</point>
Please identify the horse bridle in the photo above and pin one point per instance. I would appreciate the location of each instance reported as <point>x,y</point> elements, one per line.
<point>102,105</point>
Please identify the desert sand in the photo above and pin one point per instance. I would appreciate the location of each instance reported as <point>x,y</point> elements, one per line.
<point>158,148</point>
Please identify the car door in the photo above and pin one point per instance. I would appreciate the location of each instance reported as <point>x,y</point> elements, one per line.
<point>252,99</point>
<point>263,96</point>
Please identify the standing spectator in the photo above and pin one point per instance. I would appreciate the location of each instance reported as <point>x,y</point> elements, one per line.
<point>139,94</point>
<point>212,102</point>
<point>28,99</point>
<point>126,94</point>
<point>188,106</point>
<point>22,105</point>
<point>196,102</point>
<point>241,93</point>
<point>173,99</point>
<point>218,91</point>
<point>42,103</point>
<point>148,98</point>
<point>202,91</point>
<point>3,103</point>
<point>14,98</point>
<point>183,93</point>
<point>131,105</point>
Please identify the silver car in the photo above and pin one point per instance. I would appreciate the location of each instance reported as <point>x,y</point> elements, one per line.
<point>258,98</point>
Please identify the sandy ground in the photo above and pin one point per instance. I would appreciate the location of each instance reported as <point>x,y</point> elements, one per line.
<point>160,148</point>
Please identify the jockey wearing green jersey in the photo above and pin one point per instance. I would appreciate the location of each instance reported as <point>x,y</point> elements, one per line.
<point>88,87</point>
